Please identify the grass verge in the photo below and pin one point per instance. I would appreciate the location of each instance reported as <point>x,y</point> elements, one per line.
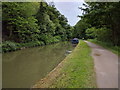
<point>75,71</point>
<point>109,46</point>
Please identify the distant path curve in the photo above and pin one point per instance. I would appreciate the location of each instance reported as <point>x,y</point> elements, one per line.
<point>106,66</point>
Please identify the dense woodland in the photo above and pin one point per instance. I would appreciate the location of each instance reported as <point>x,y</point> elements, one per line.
<point>101,21</point>
<point>28,24</point>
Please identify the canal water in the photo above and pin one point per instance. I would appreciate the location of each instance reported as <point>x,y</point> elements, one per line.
<point>23,68</point>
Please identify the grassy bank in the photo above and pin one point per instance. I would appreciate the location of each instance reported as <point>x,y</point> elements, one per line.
<point>110,46</point>
<point>75,71</point>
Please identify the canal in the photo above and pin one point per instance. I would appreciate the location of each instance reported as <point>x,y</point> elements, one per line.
<point>23,68</point>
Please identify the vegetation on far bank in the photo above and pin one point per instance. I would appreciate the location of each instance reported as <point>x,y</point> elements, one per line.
<point>27,24</point>
<point>110,46</point>
<point>77,71</point>
<point>8,46</point>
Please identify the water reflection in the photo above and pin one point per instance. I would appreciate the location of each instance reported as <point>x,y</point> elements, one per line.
<point>21,69</point>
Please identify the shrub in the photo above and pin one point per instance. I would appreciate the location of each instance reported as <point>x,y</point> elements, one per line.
<point>10,46</point>
<point>101,34</point>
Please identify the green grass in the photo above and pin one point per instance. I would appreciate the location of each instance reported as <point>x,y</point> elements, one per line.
<point>78,69</point>
<point>109,46</point>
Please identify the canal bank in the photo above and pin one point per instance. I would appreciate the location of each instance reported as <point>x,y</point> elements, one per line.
<point>75,71</point>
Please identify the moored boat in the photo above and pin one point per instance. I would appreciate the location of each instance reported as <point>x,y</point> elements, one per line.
<point>75,41</point>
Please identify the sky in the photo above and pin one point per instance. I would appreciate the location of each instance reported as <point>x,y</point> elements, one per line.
<point>70,10</point>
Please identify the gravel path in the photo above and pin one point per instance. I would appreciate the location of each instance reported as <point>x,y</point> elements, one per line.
<point>106,66</point>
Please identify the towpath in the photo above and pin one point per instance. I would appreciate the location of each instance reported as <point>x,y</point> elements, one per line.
<point>106,66</point>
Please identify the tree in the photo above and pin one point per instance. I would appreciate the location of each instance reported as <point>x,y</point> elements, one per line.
<point>32,21</point>
<point>19,22</point>
<point>80,29</point>
<point>104,15</point>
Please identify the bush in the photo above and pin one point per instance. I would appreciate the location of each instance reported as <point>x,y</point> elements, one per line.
<point>48,39</point>
<point>101,34</point>
<point>90,33</point>
<point>104,34</point>
<point>57,38</point>
<point>10,46</point>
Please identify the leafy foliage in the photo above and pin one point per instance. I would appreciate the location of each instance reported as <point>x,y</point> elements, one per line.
<point>79,29</point>
<point>25,22</point>
<point>104,21</point>
<point>19,22</point>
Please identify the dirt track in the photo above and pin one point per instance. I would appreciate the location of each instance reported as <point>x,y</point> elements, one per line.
<point>106,66</point>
